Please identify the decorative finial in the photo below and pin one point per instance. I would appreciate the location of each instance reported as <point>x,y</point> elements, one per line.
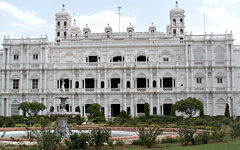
<point>108,24</point>
<point>74,21</point>
<point>63,5</point>
<point>176,4</point>
<point>152,23</point>
<point>129,24</point>
<point>86,25</point>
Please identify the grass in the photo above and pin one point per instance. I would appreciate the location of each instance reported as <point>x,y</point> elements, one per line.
<point>232,145</point>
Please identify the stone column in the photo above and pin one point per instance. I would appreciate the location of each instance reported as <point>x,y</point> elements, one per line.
<point>132,106</point>
<point>73,79</point>
<point>151,104</point>
<point>158,104</point>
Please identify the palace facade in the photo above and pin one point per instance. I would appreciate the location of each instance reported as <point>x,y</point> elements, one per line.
<point>121,70</point>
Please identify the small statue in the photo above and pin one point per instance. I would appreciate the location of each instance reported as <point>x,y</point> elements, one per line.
<point>63,89</point>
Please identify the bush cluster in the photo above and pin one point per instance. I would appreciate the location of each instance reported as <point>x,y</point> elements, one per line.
<point>97,137</point>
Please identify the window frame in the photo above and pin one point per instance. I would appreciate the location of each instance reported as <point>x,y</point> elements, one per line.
<point>15,57</point>
<point>34,83</point>
<point>198,80</point>
<point>219,80</point>
<point>35,56</point>
<point>15,84</point>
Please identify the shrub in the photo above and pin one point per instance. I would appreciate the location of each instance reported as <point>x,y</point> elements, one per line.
<point>148,136</point>
<point>20,125</point>
<point>78,141</point>
<point>99,137</point>
<point>170,140</point>
<point>45,139</point>
<point>204,137</point>
<point>235,130</point>
<point>119,142</point>
<point>218,131</point>
<point>137,142</point>
<point>186,132</point>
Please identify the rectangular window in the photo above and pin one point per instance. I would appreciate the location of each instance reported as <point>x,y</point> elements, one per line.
<point>35,56</point>
<point>34,83</point>
<point>219,80</point>
<point>198,80</point>
<point>15,84</point>
<point>93,59</point>
<point>165,59</point>
<point>15,57</point>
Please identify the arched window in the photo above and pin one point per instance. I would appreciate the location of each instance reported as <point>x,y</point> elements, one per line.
<point>58,24</point>
<point>141,58</point>
<point>174,31</point>
<point>65,33</point>
<point>154,84</point>
<point>154,110</point>
<point>129,110</point>
<point>102,84</point>
<point>181,31</point>
<point>102,110</point>
<point>76,84</point>
<point>174,21</point>
<point>181,21</point>
<point>128,84</point>
<point>65,23</point>
<point>58,33</point>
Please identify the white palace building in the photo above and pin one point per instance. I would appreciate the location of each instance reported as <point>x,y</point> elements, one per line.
<point>121,70</point>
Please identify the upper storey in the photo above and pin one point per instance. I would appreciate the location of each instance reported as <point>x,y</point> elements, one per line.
<point>66,32</point>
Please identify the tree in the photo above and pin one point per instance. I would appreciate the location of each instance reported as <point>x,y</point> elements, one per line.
<point>51,109</point>
<point>227,112</point>
<point>32,109</point>
<point>146,110</point>
<point>189,106</point>
<point>95,110</point>
<point>77,109</point>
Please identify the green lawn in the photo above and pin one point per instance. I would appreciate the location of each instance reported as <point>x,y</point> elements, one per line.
<point>233,145</point>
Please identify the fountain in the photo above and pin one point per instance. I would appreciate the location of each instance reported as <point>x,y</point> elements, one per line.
<point>62,127</point>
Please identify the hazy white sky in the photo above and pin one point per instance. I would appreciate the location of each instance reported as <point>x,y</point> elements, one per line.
<point>35,18</point>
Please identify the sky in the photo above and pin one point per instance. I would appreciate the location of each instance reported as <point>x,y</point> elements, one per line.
<point>34,18</point>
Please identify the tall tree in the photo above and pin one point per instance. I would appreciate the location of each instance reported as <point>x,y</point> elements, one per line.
<point>190,106</point>
<point>227,111</point>
<point>146,110</point>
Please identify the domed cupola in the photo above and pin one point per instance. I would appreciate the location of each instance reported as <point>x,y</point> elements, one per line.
<point>62,13</point>
<point>75,30</point>
<point>152,29</point>
<point>177,25</point>
<point>108,31</point>
<point>86,31</point>
<point>130,29</point>
<point>177,10</point>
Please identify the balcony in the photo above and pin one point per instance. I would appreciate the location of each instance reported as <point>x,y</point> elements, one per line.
<point>115,89</point>
<point>15,90</point>
<point>89,89</point>
<point>167,89</point>
<point>34,90</point>
<point>141,89</point>
<point>221,89</point>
